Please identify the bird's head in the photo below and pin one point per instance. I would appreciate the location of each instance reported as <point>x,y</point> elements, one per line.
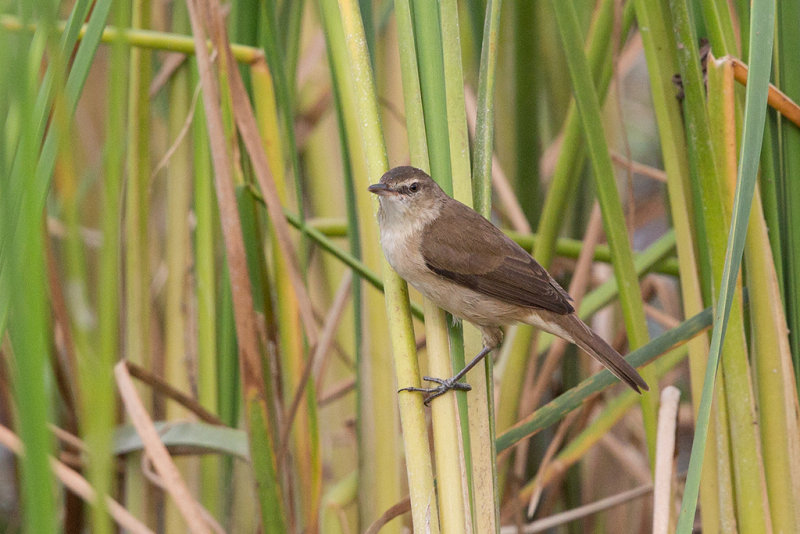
<point>408,192</point>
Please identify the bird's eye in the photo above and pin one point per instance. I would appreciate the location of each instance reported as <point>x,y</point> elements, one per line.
<point>413,187</point>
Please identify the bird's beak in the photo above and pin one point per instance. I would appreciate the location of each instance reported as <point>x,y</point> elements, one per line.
<point>379,189</point>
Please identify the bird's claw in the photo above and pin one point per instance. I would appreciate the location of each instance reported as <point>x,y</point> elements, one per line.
<point>445,385</point>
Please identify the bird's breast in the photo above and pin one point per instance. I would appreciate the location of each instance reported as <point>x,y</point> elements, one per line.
<point>401,249</point>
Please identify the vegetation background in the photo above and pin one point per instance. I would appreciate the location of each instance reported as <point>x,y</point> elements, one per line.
<point>198,330</point>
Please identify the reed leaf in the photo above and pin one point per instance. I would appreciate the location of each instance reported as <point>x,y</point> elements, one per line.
<point>613,218</point>
<point>559,407</point>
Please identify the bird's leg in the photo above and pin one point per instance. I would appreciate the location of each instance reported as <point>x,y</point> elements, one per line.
<point>452,383</point>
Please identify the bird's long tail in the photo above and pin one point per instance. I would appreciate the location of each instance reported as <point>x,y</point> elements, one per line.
<point>571,328</point>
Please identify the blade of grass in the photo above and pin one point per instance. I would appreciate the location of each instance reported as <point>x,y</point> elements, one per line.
<point>40,111</point>
<point>65,100</point>
<point>27,319</point>
<point>565,178</point>
<point>572,155</point>
<point>291,17</point>
<point>613,217</point>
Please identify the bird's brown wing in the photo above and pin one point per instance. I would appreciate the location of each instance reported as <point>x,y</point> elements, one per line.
<point>464,247</point>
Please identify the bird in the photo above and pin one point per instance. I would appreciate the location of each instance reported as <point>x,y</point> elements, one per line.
<point>464,264</point>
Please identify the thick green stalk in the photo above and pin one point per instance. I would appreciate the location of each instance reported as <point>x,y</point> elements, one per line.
<point>178,198</point>
<point>377,398</point>
<point>774,375</point>
<point>659,47</point>
<point>208,392</point>
<point>108,306</point>
<point>437,85</point>
<point>789,83</point>
<point>432,85</point>
<point>457,131</point>
<point>453,513</point>
<point>747,461</point>
<point>751,515</point>
<point>486,495</point>
<point>464,337</point>
<point>528,84</point>
<point>137,272</point>
<point>412,417</point>
<point>772,355</point>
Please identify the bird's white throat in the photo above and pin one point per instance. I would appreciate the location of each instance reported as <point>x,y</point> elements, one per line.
<point>400,220</point>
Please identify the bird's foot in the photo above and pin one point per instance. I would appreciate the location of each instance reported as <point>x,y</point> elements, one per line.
<point>445,385</point>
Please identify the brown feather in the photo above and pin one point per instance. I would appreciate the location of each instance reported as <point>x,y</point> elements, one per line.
<point>466,248</point>
<point>596,347</point>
